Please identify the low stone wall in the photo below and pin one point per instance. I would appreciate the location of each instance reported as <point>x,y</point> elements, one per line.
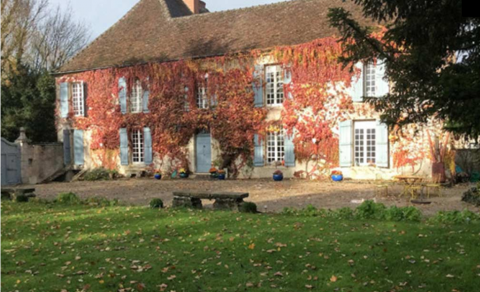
<point>39,162</point>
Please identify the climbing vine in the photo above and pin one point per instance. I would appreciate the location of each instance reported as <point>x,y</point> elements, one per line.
<point>316,100</point>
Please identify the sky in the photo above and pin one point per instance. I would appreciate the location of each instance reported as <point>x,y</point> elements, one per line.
<point>99,15</point>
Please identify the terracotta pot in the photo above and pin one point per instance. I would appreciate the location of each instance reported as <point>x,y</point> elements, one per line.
<point>438,172</point>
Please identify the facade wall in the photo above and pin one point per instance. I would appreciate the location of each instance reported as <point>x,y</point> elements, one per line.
<point>362,112</point>
<point>39,162</point>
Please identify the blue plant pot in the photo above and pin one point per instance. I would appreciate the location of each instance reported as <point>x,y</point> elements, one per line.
<point>158,176</point>
<point>278,177</point>
<point>183,175</point>
<point>221,176</point>
<point>337,177</point>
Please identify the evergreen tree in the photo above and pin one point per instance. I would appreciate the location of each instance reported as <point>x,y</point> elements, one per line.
<point>432,57</point>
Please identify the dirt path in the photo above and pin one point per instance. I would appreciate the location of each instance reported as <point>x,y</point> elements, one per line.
<point>268,195</point>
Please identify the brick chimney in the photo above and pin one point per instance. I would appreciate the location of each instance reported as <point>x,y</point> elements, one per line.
<point>196,6</point>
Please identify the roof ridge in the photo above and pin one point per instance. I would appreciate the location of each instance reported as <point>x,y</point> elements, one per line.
<point>98,38</point>
<point>283,2</point>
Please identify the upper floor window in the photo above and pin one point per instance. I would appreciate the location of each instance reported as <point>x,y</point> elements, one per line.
<point>186,105</point>
<point>136,98</point>
<point>78,99</point>
<point>202,96</point>
<point>275,147</point>
<point>274,85</point>
<point>137,146</point>
<point>370,82</point>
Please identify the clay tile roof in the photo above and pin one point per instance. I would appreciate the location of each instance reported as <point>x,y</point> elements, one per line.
<point>166,30</point>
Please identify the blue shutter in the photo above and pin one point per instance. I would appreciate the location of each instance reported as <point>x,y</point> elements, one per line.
<point>147,137</point>
<point>357,84</point>
<point>381,141</point>
<point>123,147</point>
<point>78,147</point>
<point>289,151</point>
<point>346,144</point>
<point>146,94</point>
<point>63,99</point>
<point>258,85</point>
<point>381,80</point>
<point>66,147</point>
<point>258,153</point>
<point>122,94</point>
<point>287,79</point>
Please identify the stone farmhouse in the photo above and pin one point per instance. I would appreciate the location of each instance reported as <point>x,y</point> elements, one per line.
<point>172,85</point>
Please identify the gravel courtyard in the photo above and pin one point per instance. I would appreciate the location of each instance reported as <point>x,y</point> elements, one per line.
<point>268,195</point>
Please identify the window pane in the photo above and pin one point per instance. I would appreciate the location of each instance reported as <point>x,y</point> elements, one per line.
<point>136,103</point>
<point>137,146</point>
<point>77,99</point>
<point>274,86</point>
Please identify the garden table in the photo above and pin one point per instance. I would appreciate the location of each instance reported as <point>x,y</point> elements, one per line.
<point>411,184</point>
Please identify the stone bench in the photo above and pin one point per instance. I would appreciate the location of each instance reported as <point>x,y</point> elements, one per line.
<point>223,201</point>
<point>13,193</point>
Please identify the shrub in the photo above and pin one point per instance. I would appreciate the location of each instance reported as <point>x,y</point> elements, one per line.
<point>370,210</point>
<point>412,214</point>
<point>68,198</point>
<point>343,213</point>
<point>472,196</point>
<point>289,211</point>
<point>455,217</point>
<point>99,174</point>
<point>248,207</point>
<point>156,203</point>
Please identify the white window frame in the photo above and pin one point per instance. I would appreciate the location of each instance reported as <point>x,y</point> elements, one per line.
<point>370,79</point>
<point>275,147</point>
<point>138,147</point>
<point>136,98</point>
<point>78,99</point>
<point>274,92</point>
<point>186,105</point>
<point>364,143</point>
<point>202,94</point>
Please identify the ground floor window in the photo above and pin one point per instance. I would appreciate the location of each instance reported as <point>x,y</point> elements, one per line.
<point>137,146</point>
<point>275,147</point>
<point>364,143</point>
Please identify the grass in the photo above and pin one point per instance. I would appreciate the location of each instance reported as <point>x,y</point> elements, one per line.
<point>80,248</point>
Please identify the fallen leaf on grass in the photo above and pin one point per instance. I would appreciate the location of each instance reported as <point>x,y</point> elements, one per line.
<point>333,279</point>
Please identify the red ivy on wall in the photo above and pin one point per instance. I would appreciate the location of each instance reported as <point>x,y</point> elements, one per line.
<point>320,100</point>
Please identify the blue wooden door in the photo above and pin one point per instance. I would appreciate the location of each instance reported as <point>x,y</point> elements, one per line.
<point>203,153</point>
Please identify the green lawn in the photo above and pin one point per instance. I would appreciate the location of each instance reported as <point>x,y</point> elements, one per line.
<point>81,248</point>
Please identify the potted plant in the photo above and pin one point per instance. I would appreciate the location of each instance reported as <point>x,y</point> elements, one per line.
<point>337,175</point>
<point>213,172</point>
<point>221,174</point>
<point>183,173</point>
<point>158,175</point>
<point>278,175</point>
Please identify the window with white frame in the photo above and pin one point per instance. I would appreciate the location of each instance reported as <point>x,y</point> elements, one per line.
<point>136,98</point>
<point>137,146</point>
<point>370,82</point>
<point>275,147</point>
<point>274,85</point>
<point>186,105</point>
<point>202,96</point>
<point>78,99</point>
<point>364,143</point>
